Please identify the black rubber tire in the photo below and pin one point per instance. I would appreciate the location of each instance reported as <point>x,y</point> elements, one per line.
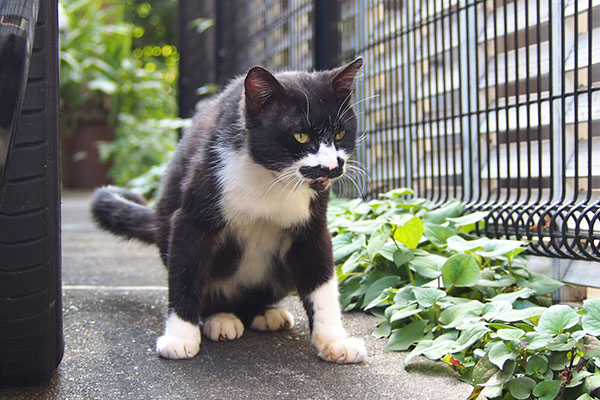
<point>31,336</point>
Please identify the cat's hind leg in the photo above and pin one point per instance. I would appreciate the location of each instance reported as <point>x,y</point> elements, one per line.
<point>274,319</point>
<point>223,326</point>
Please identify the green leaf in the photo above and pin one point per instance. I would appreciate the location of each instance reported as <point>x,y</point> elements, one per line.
<point>496,248</point>
<point>461,245</point>
<point>557,318</point>
<point>437,234</point>
<point>401,313</point>
<point>491,392</point>
<point>402,257</point>
<point>439,216</point>
<point>592,383</point>
<point>351,263</point>
<point>562,342</point>
<point>427,296</point>
<point>383,330</point>
<point>483,371</point>
<point>378,239</point>
<point>461,270</point>
<point>348,289</point>
<point>395,193</point>
<point>521,387</point>
<point>520,315</point>
<point>404,337</point>
<point>467,222</point>
<point>103,85</point>
<point>345,244</point>
<point>499,353</point>
<point>541,284</point>
<point>510,334</point>
<point>429,266</point>
<point>503,375</point>
<point>454,314</point>
<point>536,340</point>
<point>536,365</point>
<point>590,346</point>
<point>470,336</point>
<point>513,296</point>
<point>558,360</point>
<point>409,230</point>
<point>379,286</point>
<point>547,390</point>
<point>591,316</point>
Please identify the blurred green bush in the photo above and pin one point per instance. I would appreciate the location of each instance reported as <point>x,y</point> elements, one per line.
<point>118,65</point>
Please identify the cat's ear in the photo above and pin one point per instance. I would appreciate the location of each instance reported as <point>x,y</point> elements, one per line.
<point>260,86</point>
<point>344,78</point>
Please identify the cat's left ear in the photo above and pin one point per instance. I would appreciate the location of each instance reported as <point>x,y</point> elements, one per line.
<point>260,86</point>
<point>344,78</point>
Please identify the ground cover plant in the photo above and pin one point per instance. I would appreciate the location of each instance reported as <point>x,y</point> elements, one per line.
<point>448,294</point>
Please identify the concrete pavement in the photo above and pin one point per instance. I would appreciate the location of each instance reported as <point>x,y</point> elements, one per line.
<point>114,304</point>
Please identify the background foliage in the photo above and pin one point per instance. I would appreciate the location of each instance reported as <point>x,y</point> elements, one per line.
<point>449,295</point>
<point>118,64</point>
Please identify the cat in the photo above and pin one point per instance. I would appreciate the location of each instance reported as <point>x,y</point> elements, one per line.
<point>241,217</point>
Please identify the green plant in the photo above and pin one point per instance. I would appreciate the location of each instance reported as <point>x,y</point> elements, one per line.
<point>468,301</point>
<point>104,79</point>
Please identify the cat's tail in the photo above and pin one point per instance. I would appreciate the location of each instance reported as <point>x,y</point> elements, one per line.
<point>124,213</point>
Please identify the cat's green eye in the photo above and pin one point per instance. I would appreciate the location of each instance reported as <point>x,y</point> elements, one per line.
<point>301,137</point>
<point>340,135</point>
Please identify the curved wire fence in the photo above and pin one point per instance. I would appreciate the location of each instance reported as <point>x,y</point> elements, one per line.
<point>494,103</point>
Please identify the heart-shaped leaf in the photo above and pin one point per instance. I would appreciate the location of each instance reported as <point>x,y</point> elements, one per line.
<point>461,270</point>
<point>591,316</point>
<point>521,388</point>
<point>547,390</point>
<point>404,337</point>
<point>409,230</point>
<point>557,318</point>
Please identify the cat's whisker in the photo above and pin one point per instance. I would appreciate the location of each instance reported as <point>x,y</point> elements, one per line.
<point>362,136</point>
<point>337,115</point>
<point>357,103</point>
<point>285,175</point>
<point>355,115</point>
<point>307,111</point>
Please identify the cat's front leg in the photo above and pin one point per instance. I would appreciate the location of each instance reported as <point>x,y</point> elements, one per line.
<point>181,338</point>
<point>328,335</point>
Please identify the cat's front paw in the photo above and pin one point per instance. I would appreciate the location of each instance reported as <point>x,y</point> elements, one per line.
<point>274,319</point>
<point>223,326</point>
<point>177,347</point>
<point>342,350</point>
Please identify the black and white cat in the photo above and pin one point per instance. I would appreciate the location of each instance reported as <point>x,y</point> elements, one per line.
<point>241,219</point>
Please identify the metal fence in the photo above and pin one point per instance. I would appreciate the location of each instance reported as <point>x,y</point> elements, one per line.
<point>495,103</point>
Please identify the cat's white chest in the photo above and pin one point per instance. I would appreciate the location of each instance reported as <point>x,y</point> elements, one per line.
<point>263,247</point>
<point>253,193</point>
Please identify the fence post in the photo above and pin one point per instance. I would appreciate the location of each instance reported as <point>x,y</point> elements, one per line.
<point>326,34</point>
<point>197,66</point>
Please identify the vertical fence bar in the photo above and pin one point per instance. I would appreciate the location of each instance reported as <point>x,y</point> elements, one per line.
<point>327,44</point>
<point>556,102</point>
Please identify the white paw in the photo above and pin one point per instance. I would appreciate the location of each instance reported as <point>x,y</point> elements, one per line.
<point>177,347</point>
<point>343,351</point>
<point>274,319</point>
<point>180,340</point>
<point>223,326</point>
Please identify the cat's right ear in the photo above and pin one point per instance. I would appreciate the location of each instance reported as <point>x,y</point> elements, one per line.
<point>259,87</point>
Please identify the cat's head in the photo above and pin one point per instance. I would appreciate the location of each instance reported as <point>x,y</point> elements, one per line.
<point>301,125</point>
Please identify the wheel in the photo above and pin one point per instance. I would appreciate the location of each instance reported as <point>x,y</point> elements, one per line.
<point>31,337</point>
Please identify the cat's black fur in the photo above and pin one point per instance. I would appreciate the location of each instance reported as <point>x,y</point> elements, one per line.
<point>197,215</point>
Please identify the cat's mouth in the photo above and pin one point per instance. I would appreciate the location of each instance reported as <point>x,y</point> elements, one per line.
<point>319,184</point>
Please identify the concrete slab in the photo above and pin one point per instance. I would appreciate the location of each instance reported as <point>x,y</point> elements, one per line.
<point>114,306</point>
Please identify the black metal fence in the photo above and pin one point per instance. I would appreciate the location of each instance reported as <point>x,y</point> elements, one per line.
<point>495,103</point>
